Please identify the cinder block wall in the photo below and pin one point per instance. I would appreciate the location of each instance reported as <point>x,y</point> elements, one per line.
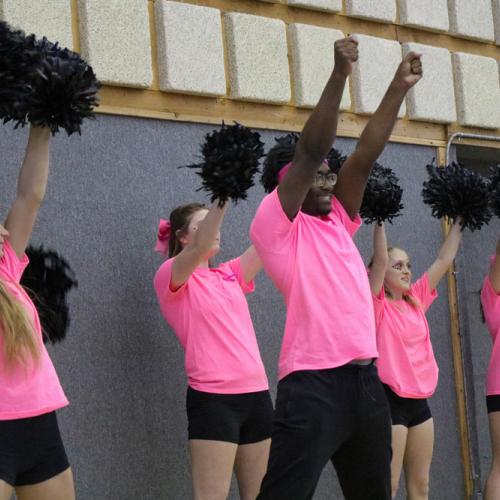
<point>280,52</point>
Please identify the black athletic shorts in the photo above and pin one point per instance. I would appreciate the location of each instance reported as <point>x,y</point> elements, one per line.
<point>407,411</point>
<point>234,418</point>
<point>493,403</point>
<point>31,450</point>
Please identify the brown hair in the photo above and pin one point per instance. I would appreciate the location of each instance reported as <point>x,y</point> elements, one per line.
<point>20,342</point>
<point>180,218</point>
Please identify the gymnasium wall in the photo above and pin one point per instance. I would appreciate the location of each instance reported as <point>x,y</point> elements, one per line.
<point>121,367</point>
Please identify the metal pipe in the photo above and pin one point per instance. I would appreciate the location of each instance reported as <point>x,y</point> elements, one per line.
<point>462,135</point>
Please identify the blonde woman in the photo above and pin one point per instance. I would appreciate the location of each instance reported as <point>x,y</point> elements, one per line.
<point>33,461</point>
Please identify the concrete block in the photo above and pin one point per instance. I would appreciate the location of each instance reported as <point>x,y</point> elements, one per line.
<point>258,60</point>
<point>375,10</point>
<point>312,63</point>
<point>472,19</point>
<point>428,14</point>
<point>323,5</point>
<point>116,41</point>
<point>377,63</point>
<point>190,48</point>
<point>433,98</point>
<point>49,18</point>
<point>496,20</point>
<point>477,90</point>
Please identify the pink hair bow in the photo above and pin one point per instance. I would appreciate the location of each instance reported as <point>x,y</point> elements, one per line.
<point>164,228</point>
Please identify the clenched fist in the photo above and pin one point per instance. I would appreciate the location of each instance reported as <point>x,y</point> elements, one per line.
<point>346,53</point>
<point>409,71</point>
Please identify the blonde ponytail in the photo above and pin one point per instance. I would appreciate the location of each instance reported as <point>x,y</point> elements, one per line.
<point>19,339</point>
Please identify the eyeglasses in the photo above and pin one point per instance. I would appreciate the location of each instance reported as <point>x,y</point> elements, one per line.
<point>321,180</point>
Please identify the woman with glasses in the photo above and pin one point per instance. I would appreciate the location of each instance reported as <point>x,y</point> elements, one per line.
<point>406,362</point>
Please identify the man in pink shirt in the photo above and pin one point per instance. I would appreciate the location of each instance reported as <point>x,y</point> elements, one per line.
<point>330,403</point>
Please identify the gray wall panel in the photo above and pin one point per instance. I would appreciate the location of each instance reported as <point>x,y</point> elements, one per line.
<point>121,367</point>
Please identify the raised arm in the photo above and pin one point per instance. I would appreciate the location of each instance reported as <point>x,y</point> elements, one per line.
<point>201,248</point>
<point>495,270</point>
<point>250,264</point>
<point>319,131</point>
<point>446,255</point>
<point>380,259</point>
<point>31,186</point>
<point>356,169</point>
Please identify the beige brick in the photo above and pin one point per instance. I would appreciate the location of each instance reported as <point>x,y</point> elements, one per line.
<point>323,5</point>
<point>374,10</point>
<point>257,56</point>
<point>190,48</point>
<point>377,63</point>
<point>436,82</point>
<point>49,18</point>
<point>472,19</point>
<point>477,90</point>
<point>496,20</point>
<point>428,14</point>
<point>116,41</point>
<point>312,63</point>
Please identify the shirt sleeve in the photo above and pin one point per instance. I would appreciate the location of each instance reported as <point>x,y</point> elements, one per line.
<point>378,305</point>
<point>162,280</point>
<point>270,225</point>
<point>338,211</point>
<point>490,300</point>
<point>422,292</point>
<point>235,269</point>
<point>11,263</point>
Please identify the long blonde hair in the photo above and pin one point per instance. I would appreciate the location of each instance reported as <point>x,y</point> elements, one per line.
<point>20,342</point>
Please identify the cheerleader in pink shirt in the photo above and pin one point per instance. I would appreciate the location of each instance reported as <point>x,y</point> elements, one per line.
<point>32,456</point>
<point>490,301</point>
<point>228,404</point>
<point>406,363</point>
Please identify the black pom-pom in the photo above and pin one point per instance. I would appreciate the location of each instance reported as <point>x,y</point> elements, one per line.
<point>43,83</point>
<point>495,190</point>
<point>47,279</point>
<point>19,62</point>
<point>382,198</point>
<point>456,192</point>
<point>230,160</point>
<point>335,160</point>
<point>64,90</point>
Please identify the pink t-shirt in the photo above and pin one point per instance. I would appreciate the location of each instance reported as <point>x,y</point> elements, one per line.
<point>491,308</point>
<point>406,360</point>
<point>316,266</point>
<point>210,316</point>
<point>26,390</point>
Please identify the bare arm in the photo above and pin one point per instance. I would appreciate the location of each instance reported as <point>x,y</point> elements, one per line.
<point>31,186</point>
<point>355,171</point>
<point>495,270</point>
<point>446,255</point>
<point>380,259</point>
<point>199,250</point>
<point>250,264</point>
<point>319,132</point>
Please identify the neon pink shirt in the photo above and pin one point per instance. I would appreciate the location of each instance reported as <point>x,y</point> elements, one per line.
<point>209,314</point>
<point>490,301</point>
<point>26,390</point>
<point>406,360</point>
<point>316,266</point>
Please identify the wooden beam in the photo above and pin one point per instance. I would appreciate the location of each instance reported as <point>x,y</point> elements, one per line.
<point>458,364</point>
